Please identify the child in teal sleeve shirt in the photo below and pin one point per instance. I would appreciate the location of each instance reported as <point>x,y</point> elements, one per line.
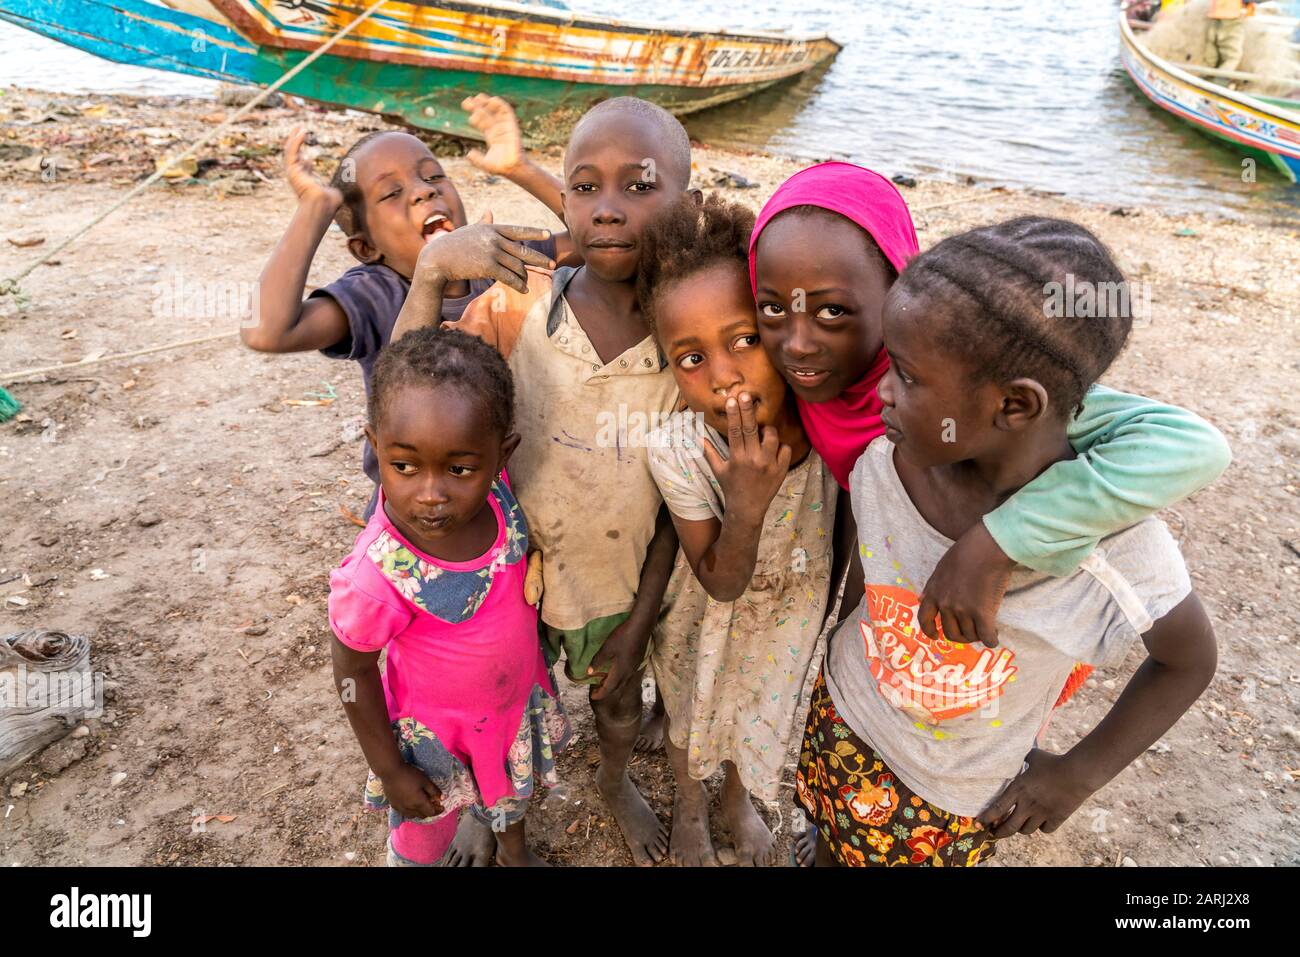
<point>1135,457</point>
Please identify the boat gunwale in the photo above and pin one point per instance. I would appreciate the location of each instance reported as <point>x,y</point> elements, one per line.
<point>247,18</point>
<point>1265,109</point>
<point>634,26</point>
<point>588,22</point>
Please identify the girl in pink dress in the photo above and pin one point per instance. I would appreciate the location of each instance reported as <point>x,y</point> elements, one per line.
<point>465,713</point>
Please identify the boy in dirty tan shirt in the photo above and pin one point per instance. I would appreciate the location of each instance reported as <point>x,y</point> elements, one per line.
<point>590,386</point>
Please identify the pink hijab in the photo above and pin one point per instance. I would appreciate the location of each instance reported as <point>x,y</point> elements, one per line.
<point>841,428</point>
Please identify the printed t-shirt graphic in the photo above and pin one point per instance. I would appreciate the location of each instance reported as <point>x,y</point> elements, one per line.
<point>933,681</point>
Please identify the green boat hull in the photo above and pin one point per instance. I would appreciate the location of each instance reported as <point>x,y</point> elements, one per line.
<point>431,99</point>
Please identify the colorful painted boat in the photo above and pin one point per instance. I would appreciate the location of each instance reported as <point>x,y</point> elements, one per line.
<point>141,33</point>
<point>418,60</point>
<point>1263,127</point>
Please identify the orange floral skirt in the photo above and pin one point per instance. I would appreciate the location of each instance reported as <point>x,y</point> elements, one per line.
<point>864,813</point>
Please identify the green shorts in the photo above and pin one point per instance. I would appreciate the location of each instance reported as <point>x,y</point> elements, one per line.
<point>580,645</point>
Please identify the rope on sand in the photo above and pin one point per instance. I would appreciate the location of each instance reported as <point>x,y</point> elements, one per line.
<point>24,373</point>
<point>10,284</point>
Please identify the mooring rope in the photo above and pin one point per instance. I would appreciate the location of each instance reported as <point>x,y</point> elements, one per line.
<point>10,284</point>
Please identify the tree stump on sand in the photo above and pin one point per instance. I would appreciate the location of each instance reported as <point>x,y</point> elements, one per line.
<point>46,689</point>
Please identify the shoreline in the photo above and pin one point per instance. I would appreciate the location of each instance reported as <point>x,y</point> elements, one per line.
<point>94,116</point>
<point>182,509</point>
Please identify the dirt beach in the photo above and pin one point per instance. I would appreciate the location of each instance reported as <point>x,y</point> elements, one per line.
<point>184,508</point>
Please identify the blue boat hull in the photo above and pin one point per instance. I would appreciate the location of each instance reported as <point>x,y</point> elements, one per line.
<point>140,34</point>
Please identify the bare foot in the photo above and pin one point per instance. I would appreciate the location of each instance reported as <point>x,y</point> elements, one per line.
<point>645,834</point>
<point>755,845</point>
<point>472,846</point>
<point>689,845</point>
<point>651,736</point>
<point>526,859</point>
<point>805,847</point>
<point>513,849</point>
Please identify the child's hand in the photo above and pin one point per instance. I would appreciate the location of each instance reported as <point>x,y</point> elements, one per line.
<point>482,251</point>
<point>758,464</point>
<point>533,582</point>
<point>620,658</point>
<point>302,177</point>
<point>1041,798</point>
<point>966,588</point>
<point>411,793</point>
<point>495,119</point>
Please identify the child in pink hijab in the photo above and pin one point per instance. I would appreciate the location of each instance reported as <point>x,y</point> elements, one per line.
<point>838,403</point>
<point>825,251</point>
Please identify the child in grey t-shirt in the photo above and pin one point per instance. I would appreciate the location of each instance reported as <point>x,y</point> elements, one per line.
<point>956,721</point>
<point>919,750</point>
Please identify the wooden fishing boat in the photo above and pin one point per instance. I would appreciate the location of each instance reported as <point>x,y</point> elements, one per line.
<point>1266,128</point>
<point>141,33</point>
<point>418,60</point>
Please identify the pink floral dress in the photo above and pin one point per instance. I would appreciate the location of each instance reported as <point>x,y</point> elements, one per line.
<point>471,701</point>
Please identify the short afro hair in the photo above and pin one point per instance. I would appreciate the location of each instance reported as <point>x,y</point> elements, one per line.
<point>351,215</point>
<point>436,356</point>
<point>687,238</point>
<point>670,132</point>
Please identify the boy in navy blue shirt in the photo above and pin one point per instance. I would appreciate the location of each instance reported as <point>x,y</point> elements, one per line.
<point>391,197</point>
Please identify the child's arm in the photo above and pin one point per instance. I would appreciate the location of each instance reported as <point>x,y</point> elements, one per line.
<point>356,676</point>
<point>624,650</point>
<point>845,556</point>
<point>1135,457</point>
<point>505,156</point>
<point>283,322</point>
<point>478,251</point>
<point>1181,662</point>
<point>723,553</point>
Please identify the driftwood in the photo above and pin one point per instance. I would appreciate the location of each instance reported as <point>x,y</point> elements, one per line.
<point>46,688</point>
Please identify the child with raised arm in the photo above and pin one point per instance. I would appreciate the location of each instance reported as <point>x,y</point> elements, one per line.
<point>391,197</point>
<point>465,714</point>
<point>587,370</point>
<point>754,507</point>
<point>921,749</point>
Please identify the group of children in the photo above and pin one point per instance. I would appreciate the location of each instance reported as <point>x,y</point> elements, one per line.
<point>834,409</point>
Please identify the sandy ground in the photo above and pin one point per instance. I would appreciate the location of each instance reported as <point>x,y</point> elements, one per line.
<point>177,510</point>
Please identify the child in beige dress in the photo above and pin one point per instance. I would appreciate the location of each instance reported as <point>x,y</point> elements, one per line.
<point>754,508</point>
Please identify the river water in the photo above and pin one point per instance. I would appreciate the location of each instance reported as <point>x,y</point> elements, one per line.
<point>1010,93</point>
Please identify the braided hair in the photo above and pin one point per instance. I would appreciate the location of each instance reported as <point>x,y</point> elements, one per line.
<point>435,356</point>
<point>1000,288</point>
<point>687,238</point>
